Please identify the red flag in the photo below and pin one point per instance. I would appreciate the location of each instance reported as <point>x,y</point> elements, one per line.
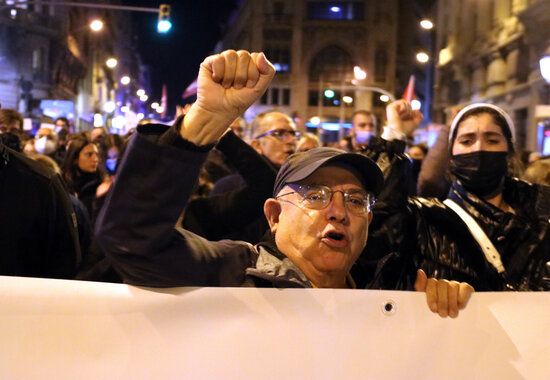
<point>163,101</point>
<point>190,90</point>
<point>408,95</point>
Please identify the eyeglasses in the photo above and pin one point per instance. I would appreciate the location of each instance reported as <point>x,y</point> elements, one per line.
<point>281,133</point>
<point>318,197</point>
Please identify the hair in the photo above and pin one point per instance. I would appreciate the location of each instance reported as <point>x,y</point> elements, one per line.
<point>422,146</point>
<point>45,161</point>
<point>113,140</point>
<point>538,172</point>
<point>69,167</point>
<point>49,133</point>
<point>11,117</point>
<point>365,113</point>
<point>242,122</point>
<point>63,119</point>
<point>515,166</point>
<point>257,127</point>
<point>309,137</point>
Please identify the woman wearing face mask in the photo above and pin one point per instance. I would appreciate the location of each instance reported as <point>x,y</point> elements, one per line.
<point>492,231</point>
<point>45,141</point>
<point>113,147</point>
<point>80,171</point>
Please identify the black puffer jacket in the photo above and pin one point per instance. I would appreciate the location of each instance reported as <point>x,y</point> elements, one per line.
<point>414,232</point>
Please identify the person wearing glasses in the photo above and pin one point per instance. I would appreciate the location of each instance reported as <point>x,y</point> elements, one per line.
<point>319,213</point>
<point>274,137</point>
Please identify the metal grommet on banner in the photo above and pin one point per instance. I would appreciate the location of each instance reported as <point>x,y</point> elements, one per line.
<point>389,308</point>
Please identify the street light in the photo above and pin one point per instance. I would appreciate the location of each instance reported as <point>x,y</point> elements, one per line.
<point>544,64</point>
<point>426,24</point>
<point>125,80</point>
<point>98,120</point>
<point>109,106</point>
<point>140,92</point>
<point>359,73</point>
<point>96,25</point>
<point>155,105</point>
<point>143,98</point>
<point>160,109</point>
<point>347,99</point>
<point>384,98</point>
<point>422,57</point>
<point>111,63</point>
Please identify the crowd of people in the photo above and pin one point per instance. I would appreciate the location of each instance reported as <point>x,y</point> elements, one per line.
<point>210,201</point>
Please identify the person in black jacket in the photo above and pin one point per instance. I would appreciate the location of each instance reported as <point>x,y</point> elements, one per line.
<point>38,234</point>
<point>319,212</point>
<point>492,231</point>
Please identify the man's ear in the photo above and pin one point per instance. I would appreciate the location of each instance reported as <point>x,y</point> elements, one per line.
<point>272,210</point>
<point>369,218</point>
<point>255,143</point>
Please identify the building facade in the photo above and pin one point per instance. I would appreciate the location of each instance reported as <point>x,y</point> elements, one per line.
<point>488,51</point>
<point>49,53</point>
<point>315,45</point>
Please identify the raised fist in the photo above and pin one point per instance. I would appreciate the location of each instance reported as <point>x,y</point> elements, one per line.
<point>228,84</point>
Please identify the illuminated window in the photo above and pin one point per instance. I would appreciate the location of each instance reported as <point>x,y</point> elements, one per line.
<point>335,10</point>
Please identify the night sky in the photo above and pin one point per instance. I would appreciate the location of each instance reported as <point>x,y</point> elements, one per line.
<point>174,58</point>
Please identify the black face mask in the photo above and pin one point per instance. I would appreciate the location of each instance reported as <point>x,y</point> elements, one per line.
<point>481,172</point>
<point>11,140</point>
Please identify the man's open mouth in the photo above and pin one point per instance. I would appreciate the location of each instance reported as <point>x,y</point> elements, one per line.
<point>335,239</point>
<point>335,236</point>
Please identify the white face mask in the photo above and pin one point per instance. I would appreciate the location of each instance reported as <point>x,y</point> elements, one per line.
<point>363,137</point>
<point>44,146</point>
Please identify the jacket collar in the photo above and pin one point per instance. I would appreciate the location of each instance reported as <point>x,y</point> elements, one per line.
<point>273,266</point>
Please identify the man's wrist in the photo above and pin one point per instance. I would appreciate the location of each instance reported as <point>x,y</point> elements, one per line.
<point>391,133</point>
<point>203,127</point>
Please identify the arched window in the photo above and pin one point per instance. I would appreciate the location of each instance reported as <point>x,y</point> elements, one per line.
<point>332,63</point>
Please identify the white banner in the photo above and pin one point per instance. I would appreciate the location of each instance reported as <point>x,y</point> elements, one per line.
<point>55,329</point>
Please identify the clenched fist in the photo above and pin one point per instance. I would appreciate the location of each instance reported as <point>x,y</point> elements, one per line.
<point>228,84</point>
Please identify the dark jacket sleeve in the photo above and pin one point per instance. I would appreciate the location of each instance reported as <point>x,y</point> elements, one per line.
<point>216,217</point>
<point>383,264</point>
<point>136,227</point>
<point>433,178</point>
<point>65,248</point>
